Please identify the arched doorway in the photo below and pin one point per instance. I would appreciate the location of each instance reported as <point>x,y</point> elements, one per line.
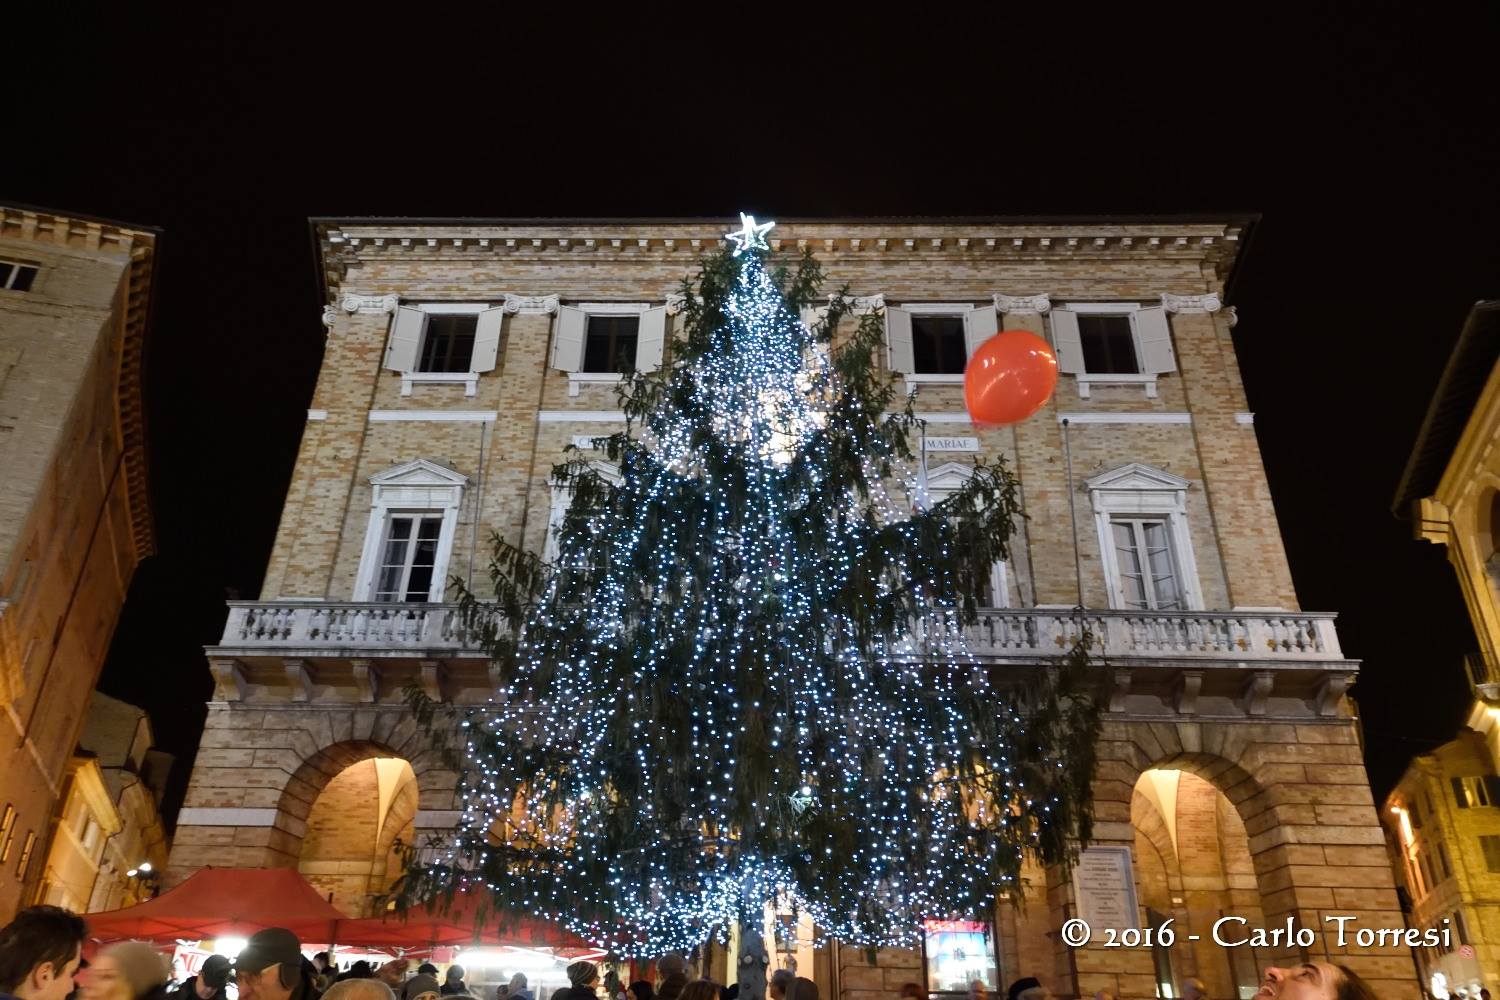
<point>1193,866</point>
<point>350,848</point>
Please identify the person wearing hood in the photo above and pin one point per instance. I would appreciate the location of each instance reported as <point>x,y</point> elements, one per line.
<point>516,989</point>
<point>420,987</point>
<point>130,970</point>
<point>453,982</point>
<point>209,983</point>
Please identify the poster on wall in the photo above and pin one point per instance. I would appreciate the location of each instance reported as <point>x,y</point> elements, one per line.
<point>1104,889</point>
<point>960,952</point>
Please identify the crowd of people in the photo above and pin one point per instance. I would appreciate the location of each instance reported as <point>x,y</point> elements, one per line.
<point>41,958</point>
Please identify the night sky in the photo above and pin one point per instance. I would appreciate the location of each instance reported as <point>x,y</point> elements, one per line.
<point>1366,136</point>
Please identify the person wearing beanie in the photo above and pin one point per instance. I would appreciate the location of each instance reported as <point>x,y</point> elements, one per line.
<point>583,977</point>
<point>130,970</point>
<point>209,983</point>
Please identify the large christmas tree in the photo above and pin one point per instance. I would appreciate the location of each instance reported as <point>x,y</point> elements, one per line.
<point>742,681</point>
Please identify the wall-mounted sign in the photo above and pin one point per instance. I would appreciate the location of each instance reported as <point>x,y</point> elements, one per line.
<point>584,441</point>
<point>935,443</point>
<point>1104,888</point>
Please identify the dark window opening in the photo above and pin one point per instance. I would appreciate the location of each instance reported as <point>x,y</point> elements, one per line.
<point>17,276</point>
<point>448,345</point>
<point>937,345</point>
<point>1108,345</point>
<point>610,346</point>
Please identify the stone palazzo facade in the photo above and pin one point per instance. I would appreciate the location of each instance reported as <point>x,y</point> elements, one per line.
<point>462,358</point>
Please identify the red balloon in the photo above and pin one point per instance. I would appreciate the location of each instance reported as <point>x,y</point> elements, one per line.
<point>1009,378</point>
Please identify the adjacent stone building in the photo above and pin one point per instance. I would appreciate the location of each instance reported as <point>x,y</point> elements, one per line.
<point>74,515</point>
<point>1443,817</point>
<point>463,356</point>
<point>109,847</point>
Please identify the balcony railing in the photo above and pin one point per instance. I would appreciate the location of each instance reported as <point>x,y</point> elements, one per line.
<point>300,624</point>
<point>273,626</point>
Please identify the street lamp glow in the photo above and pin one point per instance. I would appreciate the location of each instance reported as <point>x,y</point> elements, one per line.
<point>145,866</point>
<point>230,946</point>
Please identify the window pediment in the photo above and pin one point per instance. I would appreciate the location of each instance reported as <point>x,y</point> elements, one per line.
<point>1137,476</point>
<point>421,472</point>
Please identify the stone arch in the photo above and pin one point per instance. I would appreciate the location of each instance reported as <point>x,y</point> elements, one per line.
<point>419,800</point>
<point>1314,839</point>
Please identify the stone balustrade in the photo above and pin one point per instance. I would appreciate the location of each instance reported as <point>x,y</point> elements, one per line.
<point>272,627</point>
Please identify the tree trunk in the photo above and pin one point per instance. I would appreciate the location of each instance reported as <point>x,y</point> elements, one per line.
<point>751,962</point>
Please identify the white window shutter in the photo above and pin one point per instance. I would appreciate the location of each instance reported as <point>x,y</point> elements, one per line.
<point>898,336</point>
<point>1066,341</point>
<point>980,325</point>
<point>567,345</point>
<point>651,338</point>
<point>406,339</point>
<point>1155,340</point>
<point>487,340</point>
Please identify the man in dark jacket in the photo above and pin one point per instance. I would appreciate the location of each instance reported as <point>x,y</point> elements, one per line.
<point>209,983</point>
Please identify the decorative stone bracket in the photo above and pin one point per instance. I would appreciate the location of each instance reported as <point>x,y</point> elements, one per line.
<point>1187,304</point>
<point>369,304</point>
<point>531,305</point>
<point>1023,304</point>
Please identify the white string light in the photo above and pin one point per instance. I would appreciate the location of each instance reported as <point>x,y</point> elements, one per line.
<point>694,726</point>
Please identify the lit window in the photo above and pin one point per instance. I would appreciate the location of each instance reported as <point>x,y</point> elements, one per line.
<point>1476,791</point>
<point>25,854</point>
<point>7,832</point>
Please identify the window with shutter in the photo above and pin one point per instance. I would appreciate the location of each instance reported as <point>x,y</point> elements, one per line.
<point>898,340</point>
<point>1102,343</point>
<point>440,342</point>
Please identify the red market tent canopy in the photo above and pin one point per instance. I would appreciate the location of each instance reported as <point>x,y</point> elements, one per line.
<point>224,902</point>
<point>433,925</point>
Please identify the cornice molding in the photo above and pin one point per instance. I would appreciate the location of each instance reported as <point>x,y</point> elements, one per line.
<point>1190,304</point>
<point>530,305</point>
<point>352,302</point>
<point>58,230</point>
<point>1023,304</point>
<point>344,242</point>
